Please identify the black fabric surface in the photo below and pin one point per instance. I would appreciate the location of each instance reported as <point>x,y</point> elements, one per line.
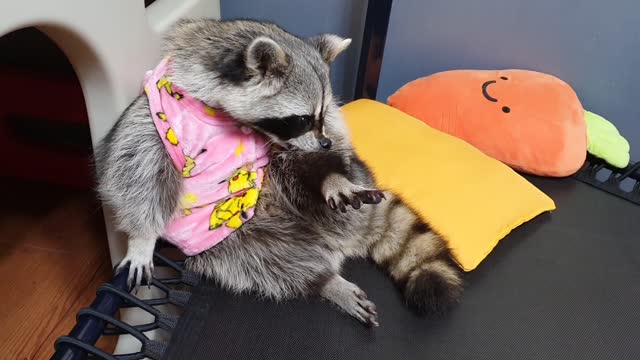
<point>563,286</point>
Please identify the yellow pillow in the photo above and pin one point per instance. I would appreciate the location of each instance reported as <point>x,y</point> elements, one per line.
<point>469,198</point>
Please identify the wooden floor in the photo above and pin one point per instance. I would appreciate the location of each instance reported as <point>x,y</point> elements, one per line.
<point>53,256</point>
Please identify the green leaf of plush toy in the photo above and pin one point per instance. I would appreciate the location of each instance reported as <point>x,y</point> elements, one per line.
<point>605,142</point>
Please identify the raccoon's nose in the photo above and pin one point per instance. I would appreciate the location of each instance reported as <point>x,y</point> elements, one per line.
<point>325,143</point>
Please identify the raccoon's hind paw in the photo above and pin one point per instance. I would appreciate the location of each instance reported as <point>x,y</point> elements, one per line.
<point>350,298</point>
<point>364,310</point>
<point>140,271</point>
<point>341,200</point>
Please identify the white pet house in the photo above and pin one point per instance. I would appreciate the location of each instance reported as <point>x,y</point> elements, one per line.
<point>110,43</point>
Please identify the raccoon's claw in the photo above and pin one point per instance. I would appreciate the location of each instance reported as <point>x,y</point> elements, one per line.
<point>370,196</point>
<point>355,203</point>
<point>355,199</point>
<point>365,310</point>
<point>342,207</point>
<point>332,204</point>
<point>345,201</point>
<point>367,314</point>
<point>339,203</point>
<point>139,273</point>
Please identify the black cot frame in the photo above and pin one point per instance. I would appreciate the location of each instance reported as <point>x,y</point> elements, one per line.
<point>99,318</point>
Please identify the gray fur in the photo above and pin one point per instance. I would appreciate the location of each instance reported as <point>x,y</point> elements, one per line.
<point>137,179</point>
<point>204,49</point>
<point>295,244</point>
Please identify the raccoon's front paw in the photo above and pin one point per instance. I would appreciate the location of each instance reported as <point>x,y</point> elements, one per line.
<point>354,197</point>
<point>140,269</point>
<point>339,193</point>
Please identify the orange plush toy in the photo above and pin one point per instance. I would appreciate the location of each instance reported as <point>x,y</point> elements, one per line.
<point>531,121</point>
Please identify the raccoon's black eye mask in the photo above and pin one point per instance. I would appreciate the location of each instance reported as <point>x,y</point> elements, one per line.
<point>285,128</point>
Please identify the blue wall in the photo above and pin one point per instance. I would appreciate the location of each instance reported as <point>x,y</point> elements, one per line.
<point>310,17</point>
<point>593,45</point>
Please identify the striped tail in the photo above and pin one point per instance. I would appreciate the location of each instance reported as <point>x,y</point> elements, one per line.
<point>417,259</point>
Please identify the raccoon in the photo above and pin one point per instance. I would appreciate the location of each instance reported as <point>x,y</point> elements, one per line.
<point>319,203</point>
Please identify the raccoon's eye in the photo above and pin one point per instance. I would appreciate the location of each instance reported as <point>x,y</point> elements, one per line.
<point>287,127</point>
<point>306,121</point>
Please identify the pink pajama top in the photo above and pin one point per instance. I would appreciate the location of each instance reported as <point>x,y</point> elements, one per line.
<point>220,160</point>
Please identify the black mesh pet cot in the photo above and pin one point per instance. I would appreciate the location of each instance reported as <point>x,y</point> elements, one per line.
<point>563,286</point>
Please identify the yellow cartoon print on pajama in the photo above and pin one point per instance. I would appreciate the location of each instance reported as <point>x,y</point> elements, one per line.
<point>187,201</point>
<point>165,84</point>
<point>232,211</point>
<point>190,163</point>
<point>239,148</point>
<point>171,137</point>
<point>242,179</point>
<point>220,188</point>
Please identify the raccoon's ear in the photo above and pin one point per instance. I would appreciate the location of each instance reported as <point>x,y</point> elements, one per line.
<point>265,57</point>
<point>329,46</point>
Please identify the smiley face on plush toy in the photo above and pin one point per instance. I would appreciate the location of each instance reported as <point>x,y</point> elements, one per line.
<point>485,93</point>
<point>532,121</point>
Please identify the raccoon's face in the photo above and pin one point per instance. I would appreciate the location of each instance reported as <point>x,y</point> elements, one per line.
<point>264,77</point>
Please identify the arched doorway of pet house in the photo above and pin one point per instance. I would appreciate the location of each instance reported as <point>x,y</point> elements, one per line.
<point>54,251</point>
